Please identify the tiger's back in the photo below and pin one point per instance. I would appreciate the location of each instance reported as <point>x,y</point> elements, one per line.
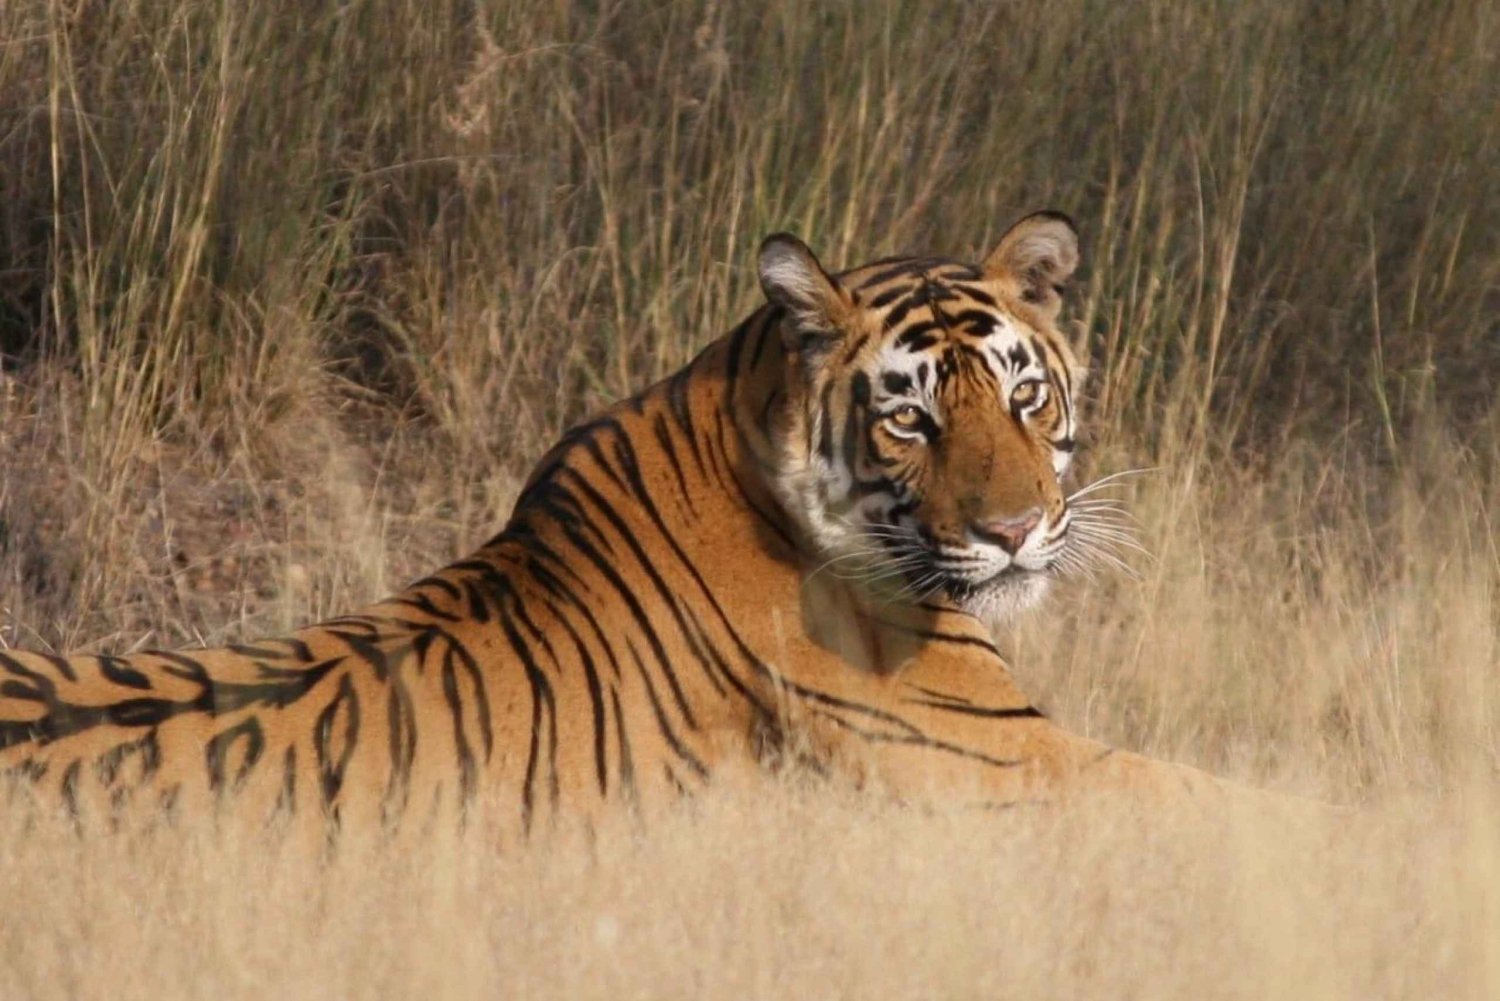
<point>548,670</point>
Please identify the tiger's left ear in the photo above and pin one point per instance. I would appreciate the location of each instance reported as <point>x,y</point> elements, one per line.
<point>1035,258</point>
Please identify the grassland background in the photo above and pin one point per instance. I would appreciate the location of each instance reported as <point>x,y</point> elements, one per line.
<point>292,293</point>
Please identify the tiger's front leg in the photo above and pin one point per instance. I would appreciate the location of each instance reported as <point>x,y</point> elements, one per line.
<point>998,758</point>
<point>928,711</point>
<point>1039,762</point>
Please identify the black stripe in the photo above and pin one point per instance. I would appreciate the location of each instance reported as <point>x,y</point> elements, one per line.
<point>368,651</point>
<point>286,799</point>
<point>772,321</point>
<point>424,604</point>
<point>853,420</point>
<point>109,765</point>
<point>853,348</point>
<point>20,690</point>
<point>627,765</point>
<point>218,750</point>
<point>989,712</point>
<point>467,661</point>
<point>922,741</point>
<point>69,788</point>
<point>736,348</point>
<point>825,426</point>
<point>682,409</point>
<point>718,457</point>
<point>451,696</point>
<point>44,689</point>
<point>61,665</point>
<point>918,337</point>
<point>662,722</point>
<point>977,294</point>
<point>898,313</point>
<point>702,647</point>
<point>519,607</point>
<point>475,593</point>
<point>664,438</point>
<point>334,743</point>
<point>889,296</point>
<point>895,383</point>
<point>401,745</point>
<point>898,268</point>
<point>578,603</point>
<point>273,649</point>
<point>120,672</point>
<point>771,522</point>
<point>446,586</point>
<point>945,696</point>
<point>596,698</point>
<point>983,323</point>
<point>672,780</point>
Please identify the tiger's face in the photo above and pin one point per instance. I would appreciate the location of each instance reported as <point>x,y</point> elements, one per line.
<point>931,418</point>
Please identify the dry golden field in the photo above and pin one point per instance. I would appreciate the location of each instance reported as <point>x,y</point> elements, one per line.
<point>293,292</point>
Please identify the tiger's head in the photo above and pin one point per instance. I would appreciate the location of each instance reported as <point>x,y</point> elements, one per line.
<point>930,417</point>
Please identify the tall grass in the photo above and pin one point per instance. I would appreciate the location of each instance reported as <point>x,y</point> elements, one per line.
<point>293,294</point>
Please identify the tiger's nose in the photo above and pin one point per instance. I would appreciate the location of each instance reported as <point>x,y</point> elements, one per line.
<point>1009,533</point>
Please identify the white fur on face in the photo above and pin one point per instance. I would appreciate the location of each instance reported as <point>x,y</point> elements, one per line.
<point>998,607</point>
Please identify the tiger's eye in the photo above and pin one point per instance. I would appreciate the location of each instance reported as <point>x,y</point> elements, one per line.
<point>907,418</point>
<point>1027,393</point>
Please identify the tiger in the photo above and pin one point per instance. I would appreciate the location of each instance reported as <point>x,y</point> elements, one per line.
<point>803,542</point>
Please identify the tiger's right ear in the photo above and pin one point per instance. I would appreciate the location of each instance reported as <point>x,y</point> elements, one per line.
<point>1035,258</point>
<point>817,306</point>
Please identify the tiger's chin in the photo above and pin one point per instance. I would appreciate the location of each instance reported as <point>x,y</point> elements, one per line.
<point>997,604</point>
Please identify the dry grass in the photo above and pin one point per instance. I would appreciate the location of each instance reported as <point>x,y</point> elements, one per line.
<point>798,893</point>
<point>291,298</point>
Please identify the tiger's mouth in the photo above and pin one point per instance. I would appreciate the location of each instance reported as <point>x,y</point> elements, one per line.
<point>908,566</point>
<point>963,588</point>
<point>1000,597</point>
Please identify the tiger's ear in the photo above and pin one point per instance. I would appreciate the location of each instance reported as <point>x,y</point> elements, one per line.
<point>1036,257</point>
<point>817,306</point>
